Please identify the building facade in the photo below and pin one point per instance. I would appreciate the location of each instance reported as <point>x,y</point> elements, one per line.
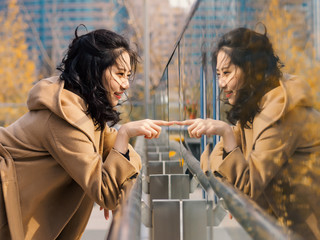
<point>52,23</point>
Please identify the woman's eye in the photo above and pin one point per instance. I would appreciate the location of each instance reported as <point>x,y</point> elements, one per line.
<point>120,74</point>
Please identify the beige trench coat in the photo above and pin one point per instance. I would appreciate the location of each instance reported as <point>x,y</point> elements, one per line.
<point>55,164</point>
<point>277,161</point>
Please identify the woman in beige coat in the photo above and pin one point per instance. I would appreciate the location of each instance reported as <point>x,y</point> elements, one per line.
<point>61,157</point>
<point>272,151</point>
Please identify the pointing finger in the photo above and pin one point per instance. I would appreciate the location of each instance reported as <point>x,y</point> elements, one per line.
<point>162,123</point>
<point>185,122</point>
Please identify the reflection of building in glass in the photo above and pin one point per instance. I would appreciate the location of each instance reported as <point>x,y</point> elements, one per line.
<point>165,23</point>
<point>51,23</point>
<point>215,17</point>
<point>169,26</point>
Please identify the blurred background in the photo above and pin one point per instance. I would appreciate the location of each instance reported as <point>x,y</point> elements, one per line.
<point>174,38</point>
<point>35,34</point>
<point>174,80</point>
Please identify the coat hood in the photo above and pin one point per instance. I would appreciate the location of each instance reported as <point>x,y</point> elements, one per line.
<point>49,94</point>
<point>292,92</point>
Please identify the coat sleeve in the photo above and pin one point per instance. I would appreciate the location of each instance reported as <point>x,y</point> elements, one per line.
<point>270,153</point>
<point>75,152</point>
<point>206,159</point>
<point>109,137</point>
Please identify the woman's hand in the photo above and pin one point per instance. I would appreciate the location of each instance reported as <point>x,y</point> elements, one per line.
<point>106,213</point>
<point>198,127</point>
<point>147,128</point>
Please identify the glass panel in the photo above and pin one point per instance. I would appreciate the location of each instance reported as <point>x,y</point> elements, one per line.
<point>193,90</point>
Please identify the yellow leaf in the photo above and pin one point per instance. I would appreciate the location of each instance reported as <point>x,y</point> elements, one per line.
<point>172,154</point>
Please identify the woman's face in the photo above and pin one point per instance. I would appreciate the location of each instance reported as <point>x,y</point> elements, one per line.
<point>116,78</point>
<point>230,77</point>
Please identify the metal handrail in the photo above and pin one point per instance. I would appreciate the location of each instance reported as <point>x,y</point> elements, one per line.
<point>257,223</point>
<point>254,220</point>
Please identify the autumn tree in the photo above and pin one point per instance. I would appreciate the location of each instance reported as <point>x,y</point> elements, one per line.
<point>17,70</point>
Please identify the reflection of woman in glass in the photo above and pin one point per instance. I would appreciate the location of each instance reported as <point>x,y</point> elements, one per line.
<point>61,157</point>
<point>272,152</point>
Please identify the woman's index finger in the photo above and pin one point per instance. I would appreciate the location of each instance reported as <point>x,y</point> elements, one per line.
<point>162,122</point>
<point>185,122</point>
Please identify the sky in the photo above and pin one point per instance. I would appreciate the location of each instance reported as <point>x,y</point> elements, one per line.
<point>181,3</point>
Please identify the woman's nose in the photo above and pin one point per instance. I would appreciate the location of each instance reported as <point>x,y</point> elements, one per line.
<point>222,82</point>
<point>125,83</point>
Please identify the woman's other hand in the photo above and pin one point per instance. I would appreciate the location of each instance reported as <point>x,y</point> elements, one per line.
<point>106,213</point>
<point>209,127</point>
<point>198,127</point>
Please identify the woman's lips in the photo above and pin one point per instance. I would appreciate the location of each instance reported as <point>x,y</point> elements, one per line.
<point>118,95</point>
<point>228,94</point>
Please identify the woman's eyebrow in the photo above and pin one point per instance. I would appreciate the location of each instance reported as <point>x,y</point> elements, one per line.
<point>123,69</point>
<point>223,68</point>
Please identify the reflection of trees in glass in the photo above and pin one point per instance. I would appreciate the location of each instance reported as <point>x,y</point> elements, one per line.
<point>290,33</point>
<point>191,109</point>
<point>191,95</point>
<point>17,70</point>
<point>293,41</point>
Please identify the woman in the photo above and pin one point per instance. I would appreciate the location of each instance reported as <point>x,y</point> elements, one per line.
<point>61,157</point>
<point>272,153</point>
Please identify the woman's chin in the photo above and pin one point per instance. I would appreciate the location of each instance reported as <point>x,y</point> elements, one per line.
<point>231,101</point>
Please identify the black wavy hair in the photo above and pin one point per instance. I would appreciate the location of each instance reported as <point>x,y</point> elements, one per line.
<point>83,66</point>
<point>254,54</point>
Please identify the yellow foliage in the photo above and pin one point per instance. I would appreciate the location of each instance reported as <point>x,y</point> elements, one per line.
<point>17,71</point>
<point>288,34</point>
<point>176,137</point>
<point>181,162</point>
<point>172,154</point>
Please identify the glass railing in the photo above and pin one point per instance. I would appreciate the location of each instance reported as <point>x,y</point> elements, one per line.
<point>188,88</point>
